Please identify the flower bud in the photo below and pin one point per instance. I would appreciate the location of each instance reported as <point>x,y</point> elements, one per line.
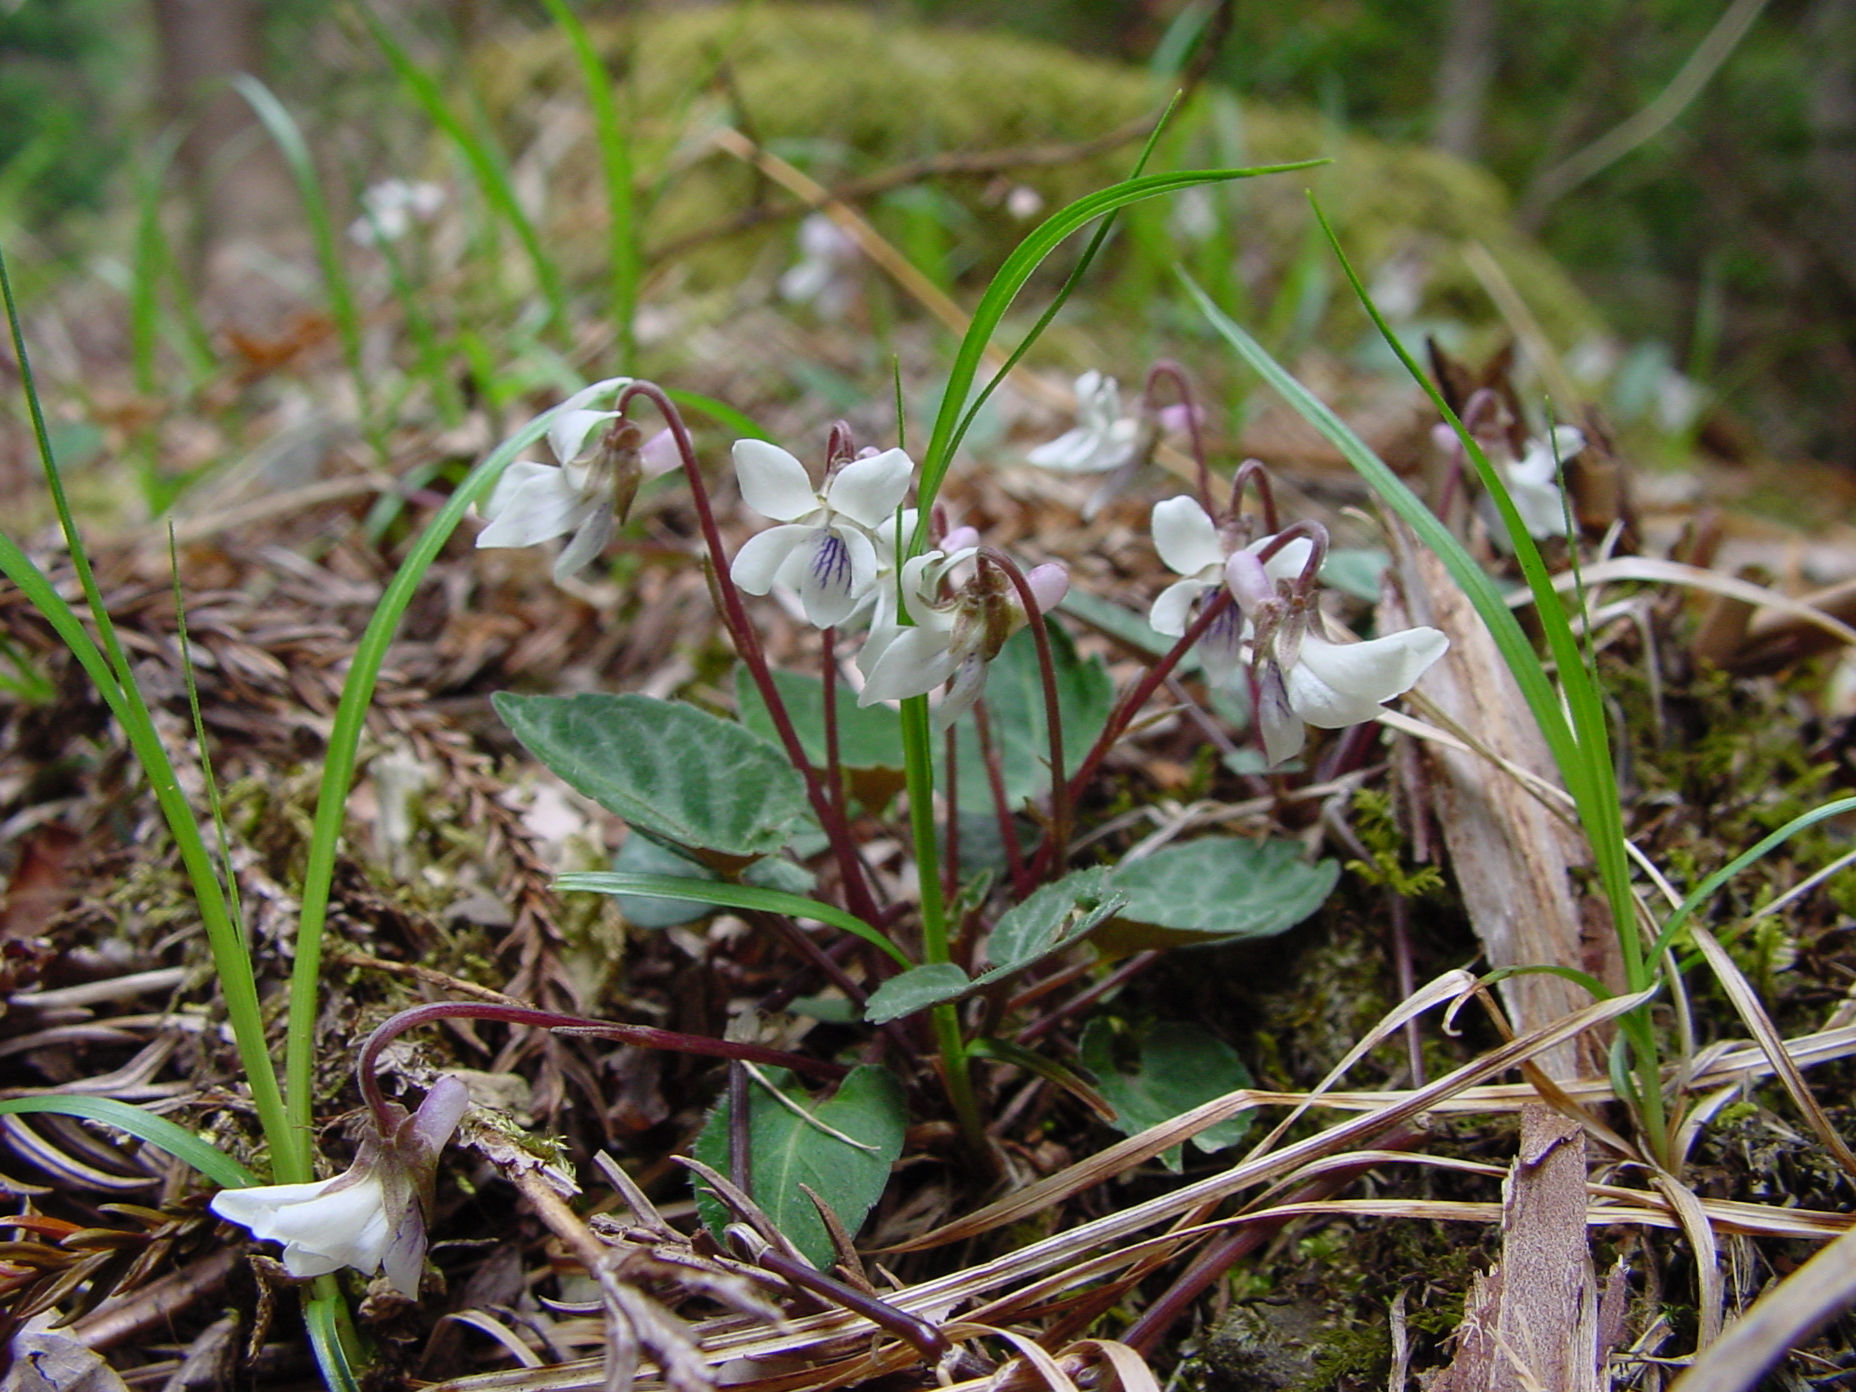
<point>1249,583</point>
<point>1049,583</point>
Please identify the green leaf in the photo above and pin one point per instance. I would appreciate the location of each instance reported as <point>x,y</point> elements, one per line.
<point>732,896</point>
<point>642,855</point>
<point>158,1131</point>
<point>1125,626</point>
<point>1052,919</point>
<point>868,736</point>
<point>789,1150</point>
<point>916,989</point>
<point>1181,1067</point>
<point>1356,570</point>
<point>1015,700</point>
<point>1214,889</point>
<point>669,769</point>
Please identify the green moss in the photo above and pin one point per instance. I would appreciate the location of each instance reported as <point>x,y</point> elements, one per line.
<point>844,92</point>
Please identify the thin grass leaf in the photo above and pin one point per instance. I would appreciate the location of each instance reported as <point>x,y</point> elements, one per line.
<point>338,771</point>
<point>158,1131</point>
<point>1062,297</point>
<point>484,160</point>
<point>326,1317</point>
<point>108,666</point>
<point>616,158</point>
<point>149,261</point>
<point>720,412</point>
<point>288,136</point>
<point>729,896</point>
<point>1013,275</point>
<point>213,804</point>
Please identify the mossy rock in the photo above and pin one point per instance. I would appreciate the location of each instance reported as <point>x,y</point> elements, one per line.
<point>843,93</point>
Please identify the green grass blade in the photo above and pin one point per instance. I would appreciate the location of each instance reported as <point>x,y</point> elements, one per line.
<point>1510,639</point>
<point>325,1315</point>
<point>158,1131</point>
<point>109,668</point>
<point>213,805</point>
<point>616,158</point>
<point>151,256</point>
<point>1707,889</point>
<point>1600,810</point>
<point>1013,275</point>
<point>339,763</point>
<point>1064,292</point>
<point>288,136</point>
<point>485,161</point>
<point>720,412</point>
<point>728,896</point>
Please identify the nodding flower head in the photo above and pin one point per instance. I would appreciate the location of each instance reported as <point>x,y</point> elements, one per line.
<point>1304,677</point>
<point>957,629</point>
<point>602,460</point>
<point>1194,546</point>
<point>372,1217</point>
<point>1103,441</point>
<point>826,549</point>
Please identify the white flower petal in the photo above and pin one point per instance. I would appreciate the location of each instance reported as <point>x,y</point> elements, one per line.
<point>589,539</point>
<point>254,1207</point>
<point>1334,685</point>
<point>1221,647</point>
<point>840,567</point>
<point>868,491</point>
<point>773,482</point>
<point>1541,505</point>
<point>757,564</point>
<point>1283,734</point>
<point>969,683</point>
<point>532,502</point>
<point>914,664</point>
<point>1172,611</point>
<point>1071,452</point>
<point>403,1260</point>
<point>1287,563</point>
<point>567,437</point>
<point>1185,537</point>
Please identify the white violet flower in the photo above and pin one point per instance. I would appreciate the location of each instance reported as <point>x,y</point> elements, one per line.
<point>952,638</point>
<point>1194,546</point>
<point>373,1217</point>
<point>391,207</point>
<point>1534,481</point>
<point>1104,440</point>
<point>1305,678</point>
<point>598,473</point>
<point>822,276</point>
<point>826,549</point>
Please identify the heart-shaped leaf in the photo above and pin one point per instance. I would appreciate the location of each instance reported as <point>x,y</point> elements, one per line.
<point>672,771</point>
<point>842,1149</point>
<point>868,736</point>
<point>1181,1066</point>
<point>1215,889</point>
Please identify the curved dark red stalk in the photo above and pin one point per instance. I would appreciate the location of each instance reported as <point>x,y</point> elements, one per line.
<point>1317,551</point>
<point>995,784</point>
<point>840,444</point>
<point>1171,371</point>
<point>1130,706</point>
<point>367,1063</point>
<point>1257,472</point>
<point>1058,837</point>
<point>834,773</point>
<point>859,896</point>
<point>1083,999</point>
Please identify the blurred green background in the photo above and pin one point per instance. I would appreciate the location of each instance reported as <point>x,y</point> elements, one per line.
<point>1723,244</point>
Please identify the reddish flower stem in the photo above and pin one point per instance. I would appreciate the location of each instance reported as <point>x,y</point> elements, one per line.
<point>1058,836</point>
<point>1168,370</point>
<point>367,1063</point>
<point>860,898</point>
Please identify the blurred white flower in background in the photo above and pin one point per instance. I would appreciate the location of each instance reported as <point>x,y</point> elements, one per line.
<point>391,207</point>
<point>823,276</point>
